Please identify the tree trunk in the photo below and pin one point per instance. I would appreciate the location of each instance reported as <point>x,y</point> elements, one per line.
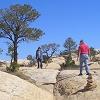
<point>15,50</point>
<point>70,54</point>
<point>11,61</point>
<point>69,51</point>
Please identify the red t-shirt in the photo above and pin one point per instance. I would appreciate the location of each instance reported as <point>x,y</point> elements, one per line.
<point>83,49</point>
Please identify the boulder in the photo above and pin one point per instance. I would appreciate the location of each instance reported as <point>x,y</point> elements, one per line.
<point>70,86</point>
<point>53,65</point>
<point>23,62</point>
<point>91,84</point>
<point>14,88</point>
<point>94,66</point>
<point>41,76</point>
<point>58,60</point>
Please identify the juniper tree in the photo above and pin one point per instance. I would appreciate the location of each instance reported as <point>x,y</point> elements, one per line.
<point>50,49</point>
<point>70,45</point>
<point>15,25</point>
<point>92,52</point>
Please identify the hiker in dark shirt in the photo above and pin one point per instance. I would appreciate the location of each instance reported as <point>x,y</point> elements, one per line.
<point>39,57</point>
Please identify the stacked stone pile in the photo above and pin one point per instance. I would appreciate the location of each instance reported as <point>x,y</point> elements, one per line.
<point>91,84</point>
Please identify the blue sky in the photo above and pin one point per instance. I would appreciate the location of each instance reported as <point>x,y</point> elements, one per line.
<point>60,19</point>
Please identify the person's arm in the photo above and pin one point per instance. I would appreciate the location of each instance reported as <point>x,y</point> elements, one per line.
<point>78,54</point>
<point>41,55</point>
<point>36,54</point>
<point>88,51</point>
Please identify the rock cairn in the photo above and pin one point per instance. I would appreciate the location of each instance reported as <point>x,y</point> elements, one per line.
<point>91,84</point>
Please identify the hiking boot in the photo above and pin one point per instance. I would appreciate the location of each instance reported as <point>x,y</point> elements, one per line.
<point>88,74</point>
<point>80,74</point>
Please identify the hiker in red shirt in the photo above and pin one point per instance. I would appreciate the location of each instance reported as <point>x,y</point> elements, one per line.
<point>83,53</point>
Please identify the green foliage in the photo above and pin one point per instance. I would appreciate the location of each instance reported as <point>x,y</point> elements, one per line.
<point>70,45</point>
<point>63,53</point>
<point>68,63</point>
<point>29,57</point>
<point>10,51</point>
<point>15,21</point>
<point>13,67</point>
<point>49,50</point>
<point>46,59</point>
<point>32,60</point>
<point>92,52</point>
<point>98,52</point>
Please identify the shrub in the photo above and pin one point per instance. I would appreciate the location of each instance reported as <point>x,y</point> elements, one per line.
<point>13,67</point>
<point>46,59</point>
<point>32,60</point>
<point>99,62</point>
<point>68,63</point>
<point>29,57</point>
